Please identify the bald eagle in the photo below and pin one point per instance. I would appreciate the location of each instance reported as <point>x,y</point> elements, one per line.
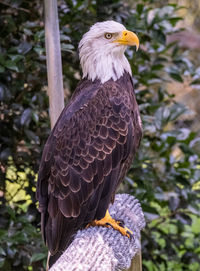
<point>93,143</point>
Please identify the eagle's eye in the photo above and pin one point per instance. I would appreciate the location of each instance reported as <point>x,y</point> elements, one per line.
<point>108,36</point>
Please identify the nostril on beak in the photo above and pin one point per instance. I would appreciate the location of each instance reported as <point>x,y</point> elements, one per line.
<point>125,33</point>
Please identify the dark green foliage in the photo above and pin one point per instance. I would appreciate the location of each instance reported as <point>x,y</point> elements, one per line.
<point>165,175</point>
<point>21,244</point>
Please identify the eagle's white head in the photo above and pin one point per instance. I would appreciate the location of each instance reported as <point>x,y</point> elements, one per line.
<point>102,48</point>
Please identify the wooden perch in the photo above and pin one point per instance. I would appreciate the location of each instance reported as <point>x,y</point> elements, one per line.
<point>100,248</point>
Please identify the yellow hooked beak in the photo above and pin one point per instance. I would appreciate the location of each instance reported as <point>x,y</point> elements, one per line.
<point>128,38</point>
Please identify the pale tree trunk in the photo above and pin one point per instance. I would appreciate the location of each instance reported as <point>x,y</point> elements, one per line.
<point>54,64</point>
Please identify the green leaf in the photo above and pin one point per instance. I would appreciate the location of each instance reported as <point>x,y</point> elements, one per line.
<point>28,32</point>
<point>2,69</point>
<point>2,252</point>
<point>16,58</point>
<point>184,219</point>
<point>64,37</point>
<point>157,67</point>
<point>11,212</point>
<point>20,237</point>
<point>149,209</point>
<point>2,261</point>
<point>38,257</point>
<point>24,47</point>
<point>195,82</point>
<point>26,117</point>
<point>35,117</point>
<point>174,203</point>
<point>39,50</point>
<point>159,36</point>
<point>11,65</point>
<point>67,47</point>
<point>176,76</point>
<point>32,136</point>
<point>176,110</point>
<point>186,149</point>
<point>140,8</point>
<point>39,36</point>
<point>175,20</point>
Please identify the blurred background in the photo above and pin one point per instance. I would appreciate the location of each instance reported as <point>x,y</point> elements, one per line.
<point>165,176</point>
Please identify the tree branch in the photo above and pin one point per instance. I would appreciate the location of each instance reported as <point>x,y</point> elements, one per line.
<point>14,7</point>
<point>99,248</point>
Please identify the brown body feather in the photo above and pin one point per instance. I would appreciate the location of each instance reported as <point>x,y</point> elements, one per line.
<point>86,157</point>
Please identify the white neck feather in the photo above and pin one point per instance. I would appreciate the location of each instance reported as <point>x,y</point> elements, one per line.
<point>103,65</point>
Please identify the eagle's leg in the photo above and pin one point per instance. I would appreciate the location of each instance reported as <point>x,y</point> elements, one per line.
<point>108,222</point>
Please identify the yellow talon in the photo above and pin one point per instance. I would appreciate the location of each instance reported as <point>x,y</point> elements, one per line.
<point>108,222</point>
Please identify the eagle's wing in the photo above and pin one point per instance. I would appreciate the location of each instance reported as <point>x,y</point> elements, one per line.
<point>83,162</point>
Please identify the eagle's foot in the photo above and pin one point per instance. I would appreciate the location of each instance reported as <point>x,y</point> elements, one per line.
<point>109,222</point>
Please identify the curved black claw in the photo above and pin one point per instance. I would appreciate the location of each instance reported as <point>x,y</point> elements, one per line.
<point>120,222</point>
<point>130,234</point>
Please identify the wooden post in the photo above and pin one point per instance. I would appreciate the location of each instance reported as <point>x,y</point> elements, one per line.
<point>54,64</point>
<point>53,57</point>
<point>136,264</point>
